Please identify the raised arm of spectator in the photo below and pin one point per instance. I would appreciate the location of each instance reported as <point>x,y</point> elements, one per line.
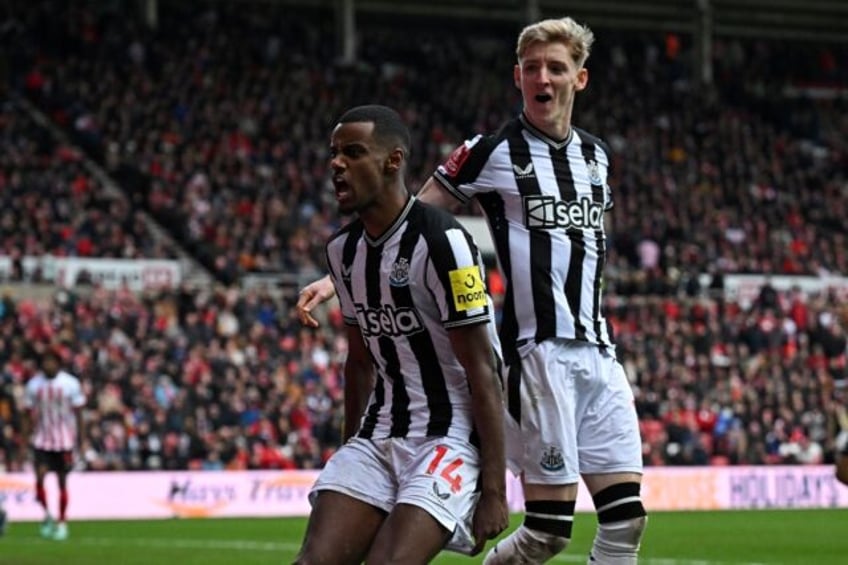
<point>359,381</point>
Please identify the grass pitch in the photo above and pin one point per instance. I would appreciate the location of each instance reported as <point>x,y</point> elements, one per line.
<point>672,538</point>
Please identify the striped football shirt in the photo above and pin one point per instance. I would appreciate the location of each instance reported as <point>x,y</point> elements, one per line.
<point>544,200</point>
<point>405,291</point>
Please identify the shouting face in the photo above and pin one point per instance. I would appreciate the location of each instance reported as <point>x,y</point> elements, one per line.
<point>357,162</point>
<point>548,78</point>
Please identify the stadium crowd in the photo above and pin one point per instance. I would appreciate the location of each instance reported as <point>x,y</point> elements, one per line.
<point>52,205</point>
<point>214,125</point>
<point>226,379</point>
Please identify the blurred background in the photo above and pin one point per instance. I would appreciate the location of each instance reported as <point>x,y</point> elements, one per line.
<point>164,193</point>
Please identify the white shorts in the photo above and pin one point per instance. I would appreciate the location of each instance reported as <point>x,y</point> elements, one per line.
<point>438,475</point>
<point>577,415</point>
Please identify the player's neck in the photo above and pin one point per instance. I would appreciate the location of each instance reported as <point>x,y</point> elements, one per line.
<point>383,214</point>
<point>558,129</point>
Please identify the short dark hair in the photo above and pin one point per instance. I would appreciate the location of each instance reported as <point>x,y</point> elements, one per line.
<point>389,128</point>
<point>50,353</point>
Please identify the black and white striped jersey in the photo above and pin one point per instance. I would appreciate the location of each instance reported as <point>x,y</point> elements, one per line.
<point>405,291</point>
<point>545,201</point>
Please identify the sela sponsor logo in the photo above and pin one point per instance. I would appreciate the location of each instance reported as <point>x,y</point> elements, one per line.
<point>552,459</point>
<point>467,288</point>
<point>547,213</point>
<point>400,273</point>
<point>523,173</point>
<point>388,320</point>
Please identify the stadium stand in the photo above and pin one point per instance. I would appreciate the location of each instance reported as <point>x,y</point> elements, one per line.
<point>52,205</point>
<point>214,125</point>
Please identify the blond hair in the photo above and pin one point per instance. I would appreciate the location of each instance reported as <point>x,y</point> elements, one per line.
<point>577,37</point>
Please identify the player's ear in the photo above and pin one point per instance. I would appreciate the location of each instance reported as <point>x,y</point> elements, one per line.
<point>394,161</point>
<point>582,79</point>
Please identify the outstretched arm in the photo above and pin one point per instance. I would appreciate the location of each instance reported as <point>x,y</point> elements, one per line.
<point>434,193</point>
<point>359,381</point>
<point>311,296</point>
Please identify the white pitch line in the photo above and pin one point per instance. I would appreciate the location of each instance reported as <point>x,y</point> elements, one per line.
<point>273,547</point>
<point>660,561</point>
<point>166,543</point>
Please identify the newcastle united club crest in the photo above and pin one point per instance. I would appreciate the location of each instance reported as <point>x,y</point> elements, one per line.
<point>552,459</point>
<point>400,273</point>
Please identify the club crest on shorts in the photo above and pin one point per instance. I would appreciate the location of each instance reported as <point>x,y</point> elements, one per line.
<point>400,273</point>
<point>552,459</point>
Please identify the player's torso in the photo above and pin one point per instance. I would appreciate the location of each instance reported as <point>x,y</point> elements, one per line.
<point>550,191</point>
<point>398,298</point>
<point>56,394</point>
<point>53,403</point>
<point>545,202</point>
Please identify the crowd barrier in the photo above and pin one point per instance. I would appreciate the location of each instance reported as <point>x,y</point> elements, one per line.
<point>150,495</point>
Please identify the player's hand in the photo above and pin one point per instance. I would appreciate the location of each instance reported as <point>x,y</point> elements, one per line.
<point>311,296</point>
<point>491,517</point>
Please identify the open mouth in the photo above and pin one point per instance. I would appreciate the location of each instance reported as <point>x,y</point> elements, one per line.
<point>543,98</point>
<point>341,187</point>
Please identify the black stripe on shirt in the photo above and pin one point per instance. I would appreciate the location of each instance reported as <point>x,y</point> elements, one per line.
<point>544,304</point>
<point>421,343</point>
<point>598,194</point>
<point>574,276</point>
<point>387,350</point>
<point>495,210</point>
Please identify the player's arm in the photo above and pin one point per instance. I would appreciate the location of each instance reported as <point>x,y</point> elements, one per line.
<point>435,194</point>
<point>473,350</point>
<point>311,296</point>
<point>27,425</point>
<point>78,416</point>
<point>359,381</point>
<point>28,415</point>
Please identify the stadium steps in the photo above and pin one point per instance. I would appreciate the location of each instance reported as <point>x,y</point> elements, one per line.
<point>193,272</point>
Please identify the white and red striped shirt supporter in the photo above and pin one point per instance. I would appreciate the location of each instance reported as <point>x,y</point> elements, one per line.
<point>53,403</point>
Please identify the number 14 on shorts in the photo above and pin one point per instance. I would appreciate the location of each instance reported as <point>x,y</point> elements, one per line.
<point>448,470</point>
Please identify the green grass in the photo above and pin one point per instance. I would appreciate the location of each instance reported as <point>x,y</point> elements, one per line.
<point>672,538</point>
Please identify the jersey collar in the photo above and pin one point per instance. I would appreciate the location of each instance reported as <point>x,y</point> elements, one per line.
<point>393,228</point>
<point>536,132</point>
